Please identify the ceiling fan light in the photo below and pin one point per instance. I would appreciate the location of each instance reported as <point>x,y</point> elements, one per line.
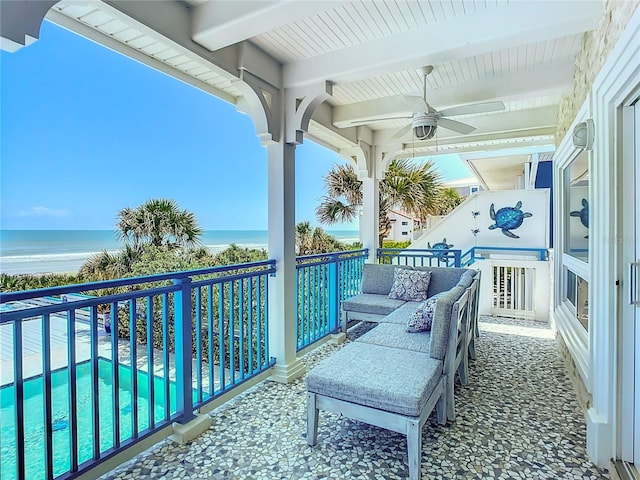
<point>424,132</point>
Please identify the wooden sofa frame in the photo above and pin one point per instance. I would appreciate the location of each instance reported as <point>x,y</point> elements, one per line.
<point>442,396</point>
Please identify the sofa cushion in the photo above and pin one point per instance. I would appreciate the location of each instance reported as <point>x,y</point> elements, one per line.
<point>422,318</point>
<point>409,284</point>
<point>442,278</point>
<point>377,278</point>
<point>377,377</point>
<point>395,336</point>
<point>442,321</point>
<point>371,303</point>
<point>466,279</point>
<point>402,314</point>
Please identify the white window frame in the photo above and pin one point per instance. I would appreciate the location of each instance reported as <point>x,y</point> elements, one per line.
<point>575,336</point>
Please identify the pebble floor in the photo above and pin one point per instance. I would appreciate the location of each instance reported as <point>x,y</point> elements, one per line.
<point>517,419</point>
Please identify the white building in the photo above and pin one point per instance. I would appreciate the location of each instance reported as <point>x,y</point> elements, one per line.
<point>465,186</point>
<point>403,226</point>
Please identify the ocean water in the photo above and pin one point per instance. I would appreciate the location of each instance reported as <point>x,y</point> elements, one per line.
<point>54,251</point>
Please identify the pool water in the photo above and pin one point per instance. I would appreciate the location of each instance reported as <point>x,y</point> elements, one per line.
<point>34,432</point>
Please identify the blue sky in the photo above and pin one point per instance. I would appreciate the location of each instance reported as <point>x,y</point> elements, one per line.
<point>86,132</point>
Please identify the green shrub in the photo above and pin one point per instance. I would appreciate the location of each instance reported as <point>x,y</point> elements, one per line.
<point>16,283</point>
<point>394,244</point>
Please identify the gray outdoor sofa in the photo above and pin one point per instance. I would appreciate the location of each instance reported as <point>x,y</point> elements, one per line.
<point>389,377</point>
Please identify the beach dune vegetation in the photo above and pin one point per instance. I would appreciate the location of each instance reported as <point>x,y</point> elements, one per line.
<point>169,248</point>
<point>313,240</point>
<point>21,282</point>
<point>158,237</point>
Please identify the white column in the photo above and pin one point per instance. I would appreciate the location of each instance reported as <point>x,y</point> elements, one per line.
<point>280,123</point>
<point>369,220</point>
<point>282,287</point>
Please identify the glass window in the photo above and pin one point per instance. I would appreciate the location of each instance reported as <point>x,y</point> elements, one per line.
<point>571,287</point>
<point>582,300</point>
<point>576,184</point>
<point>405,223</point>
<point>577,294</point>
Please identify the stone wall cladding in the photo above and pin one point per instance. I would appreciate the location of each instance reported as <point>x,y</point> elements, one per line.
<point>594,49</point>
<point>583,396</point>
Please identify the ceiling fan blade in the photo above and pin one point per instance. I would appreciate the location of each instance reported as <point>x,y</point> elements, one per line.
<point>376,120</point>
<point>417,103</point>
<point>473,108</point>
<point>402,131</point>
<point>455,126</point>
<point>360,113</point>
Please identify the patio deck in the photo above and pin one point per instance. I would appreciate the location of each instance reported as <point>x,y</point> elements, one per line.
<point>518,418</point>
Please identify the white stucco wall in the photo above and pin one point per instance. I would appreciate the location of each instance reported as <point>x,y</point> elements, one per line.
<point>459,225</point>
<point>607,74</point>
<point>594,50</point>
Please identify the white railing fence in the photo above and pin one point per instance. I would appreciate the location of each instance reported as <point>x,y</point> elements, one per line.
<point>514,287</point>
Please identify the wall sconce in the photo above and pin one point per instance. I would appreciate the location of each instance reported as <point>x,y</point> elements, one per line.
<point>583,134</point>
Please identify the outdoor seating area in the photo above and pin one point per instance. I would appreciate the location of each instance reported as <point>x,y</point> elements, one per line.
<point>518,418</point>
<point>395,378</point>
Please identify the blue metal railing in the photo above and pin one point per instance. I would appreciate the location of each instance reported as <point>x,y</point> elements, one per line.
<point>214,319</point>
<point>476,253</point>
<point>323,282</point>
<point>420,257</point>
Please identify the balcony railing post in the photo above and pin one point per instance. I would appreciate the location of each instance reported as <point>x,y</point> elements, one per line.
<point>183,346</point>
<point>334,293</point>
<point>457,254</point>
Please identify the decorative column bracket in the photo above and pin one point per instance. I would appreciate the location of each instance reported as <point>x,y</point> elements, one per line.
<point>20,22</point>
<point>300,103</point>
<point>260,100</point>
<point>362,156</point>
<point>385,154</point>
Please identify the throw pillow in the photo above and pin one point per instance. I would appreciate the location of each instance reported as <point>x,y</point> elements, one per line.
<point>422,319</point>
<point>409,285</point>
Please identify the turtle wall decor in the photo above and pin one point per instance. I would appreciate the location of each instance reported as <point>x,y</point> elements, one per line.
<point>442,248</point>
<point>583,214</point>
<point>508,218</point>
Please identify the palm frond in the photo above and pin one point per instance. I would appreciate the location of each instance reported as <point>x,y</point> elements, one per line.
<point>332,211</point>
<point>342,182</point>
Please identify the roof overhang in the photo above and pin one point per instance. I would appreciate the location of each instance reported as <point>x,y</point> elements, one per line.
<point>521,53</point>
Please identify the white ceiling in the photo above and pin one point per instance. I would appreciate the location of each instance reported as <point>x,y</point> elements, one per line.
<point>519,52</point>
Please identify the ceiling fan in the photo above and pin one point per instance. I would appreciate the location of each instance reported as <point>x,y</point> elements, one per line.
<point>425,122</point>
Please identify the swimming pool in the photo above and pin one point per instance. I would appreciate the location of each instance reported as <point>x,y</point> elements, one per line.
<point>34,431</point>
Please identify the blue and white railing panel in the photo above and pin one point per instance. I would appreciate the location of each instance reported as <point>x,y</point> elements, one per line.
<point>480,253</point>
<point>323,282</point>
<point>515,280</point>
<point>420,257</point>
<point>76,395</point>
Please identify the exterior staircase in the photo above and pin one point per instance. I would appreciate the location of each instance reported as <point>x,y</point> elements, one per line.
<point>469,224</point>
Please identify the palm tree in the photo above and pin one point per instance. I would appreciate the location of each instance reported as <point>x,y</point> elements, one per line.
<point>304,237</point>
<point>344,196</point>
<point>105,265</point>
<point>449,199</point>
<point>100,266</point>
<point>414,187</point>
<point>160,223</point>
<point>310,241</point>
<point>157,223</point>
